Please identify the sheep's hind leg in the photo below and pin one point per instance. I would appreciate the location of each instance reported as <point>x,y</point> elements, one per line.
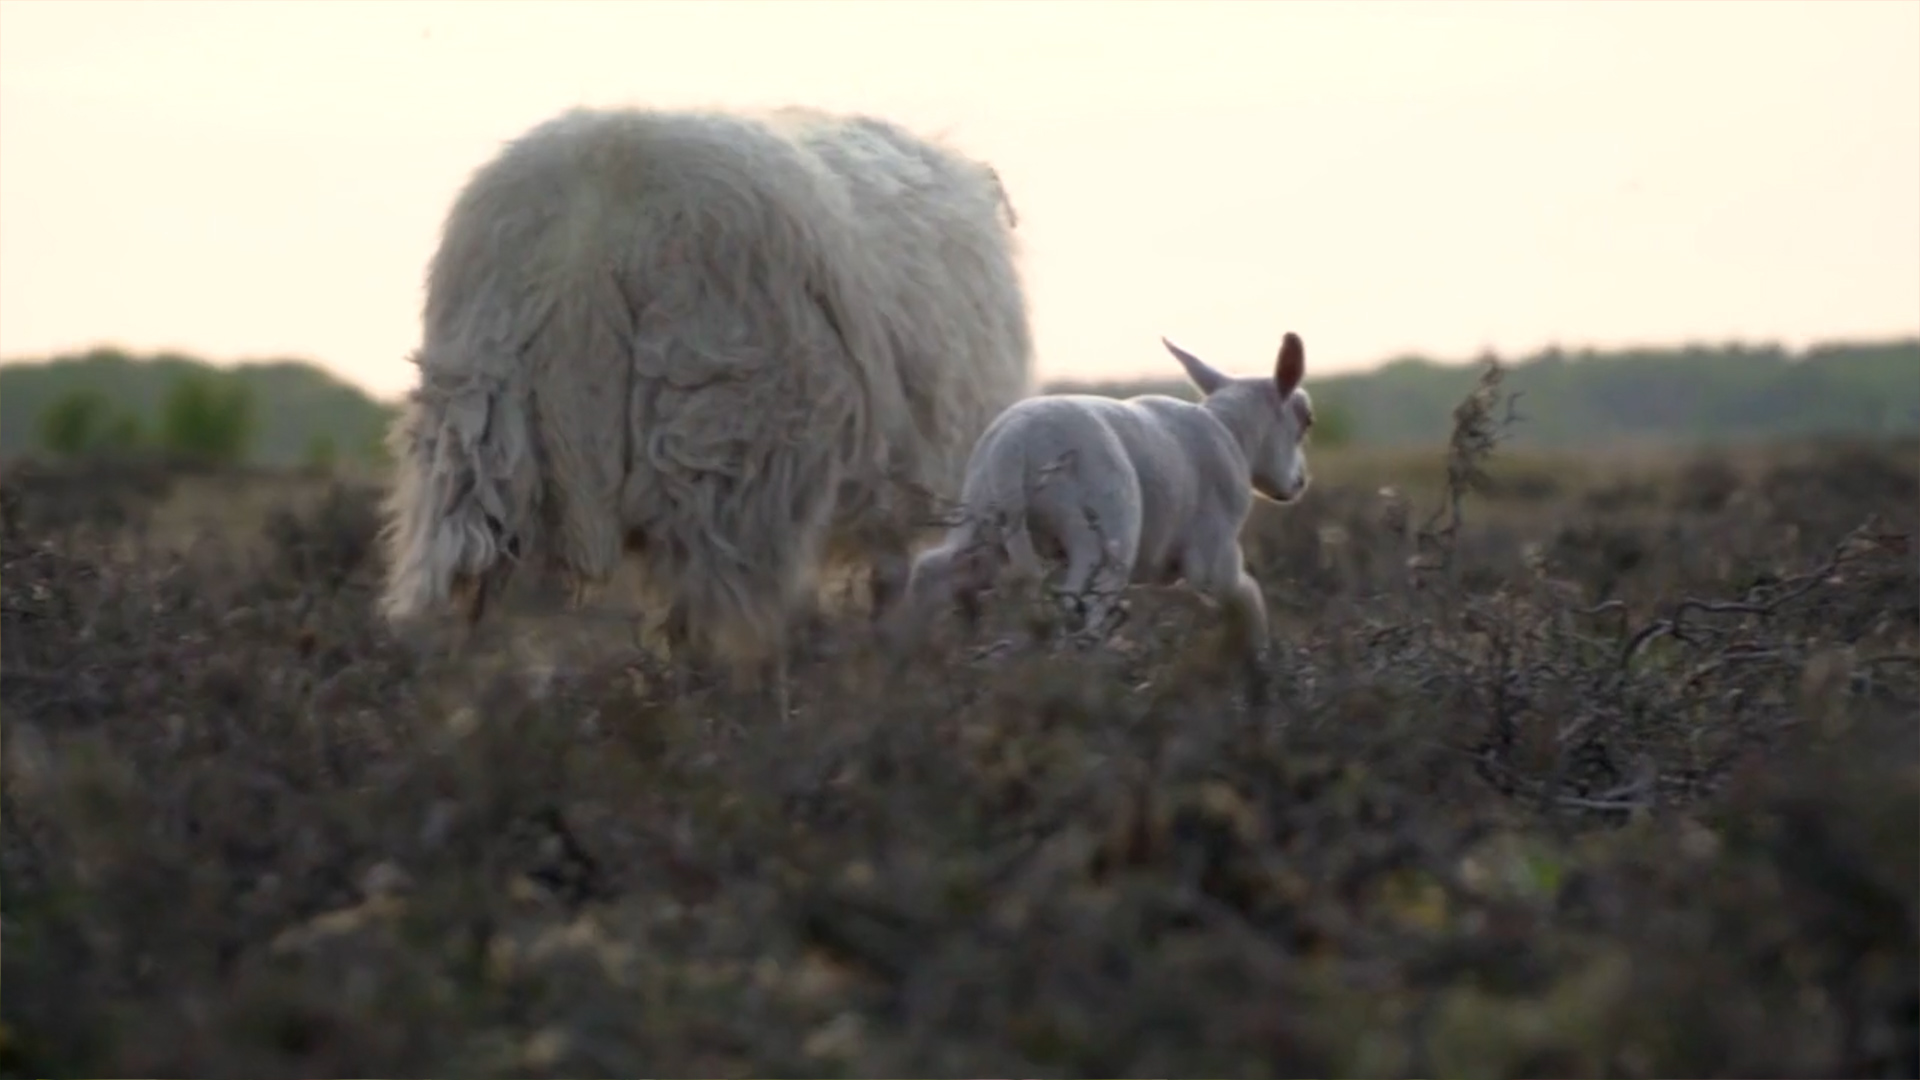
<point>685,658</point>
<point>887,583</point>
<point>771,685</point>
<point>972,610</point>
<point>816,635</point>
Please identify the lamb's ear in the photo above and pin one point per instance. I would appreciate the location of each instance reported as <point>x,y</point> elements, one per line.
<point>1292,365</point>
<point>1204,377</point>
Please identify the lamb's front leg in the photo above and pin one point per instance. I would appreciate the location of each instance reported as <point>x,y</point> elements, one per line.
<point>1225,579</point>
<point>1247,623</point>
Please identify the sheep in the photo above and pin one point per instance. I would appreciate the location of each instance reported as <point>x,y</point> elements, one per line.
<point>733,348</point>
<point>1151,490</point>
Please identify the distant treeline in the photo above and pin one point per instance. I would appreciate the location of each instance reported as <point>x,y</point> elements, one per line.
<point>280,413</point>
<point>291,412</point>
<point>1584,399</point>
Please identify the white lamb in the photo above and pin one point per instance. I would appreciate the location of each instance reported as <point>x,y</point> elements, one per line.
<point>1151,490</point>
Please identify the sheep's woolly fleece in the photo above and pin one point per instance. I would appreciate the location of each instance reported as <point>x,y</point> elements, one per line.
<point>733,347</point>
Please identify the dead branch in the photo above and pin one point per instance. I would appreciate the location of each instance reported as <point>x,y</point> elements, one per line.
<point>1481,422</point>
<point>1760,600</point>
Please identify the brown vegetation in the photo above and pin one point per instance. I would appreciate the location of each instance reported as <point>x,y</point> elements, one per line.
<point>1588,773</point>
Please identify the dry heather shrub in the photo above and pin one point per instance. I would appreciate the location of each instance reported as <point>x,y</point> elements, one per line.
<point>105,494</point>
<point>1492,825</point>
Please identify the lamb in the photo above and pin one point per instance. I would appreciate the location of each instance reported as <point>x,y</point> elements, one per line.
<point>1151,490</point>
<point>734,348</point>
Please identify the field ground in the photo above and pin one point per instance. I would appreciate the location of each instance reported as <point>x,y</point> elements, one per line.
<point>1620,777</point>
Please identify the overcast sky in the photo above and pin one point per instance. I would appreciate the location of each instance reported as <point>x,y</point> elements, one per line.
<point>241,180</point>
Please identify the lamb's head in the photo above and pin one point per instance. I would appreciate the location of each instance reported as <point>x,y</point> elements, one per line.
<point>1270,416</point>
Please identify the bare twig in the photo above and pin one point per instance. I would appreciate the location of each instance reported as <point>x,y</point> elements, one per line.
<point>1760,601</point>
<point>1480,423</point>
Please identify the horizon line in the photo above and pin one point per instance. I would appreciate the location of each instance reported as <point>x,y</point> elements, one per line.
<point>1566,349</point>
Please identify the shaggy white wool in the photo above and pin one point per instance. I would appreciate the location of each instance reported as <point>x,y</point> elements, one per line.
<point>732,347</point>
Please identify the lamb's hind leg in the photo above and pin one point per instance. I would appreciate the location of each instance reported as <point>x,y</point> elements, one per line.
<point>1098,569</point>
<point>951,574</point>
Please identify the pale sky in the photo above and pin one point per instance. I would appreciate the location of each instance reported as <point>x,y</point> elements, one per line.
<point>265,179</point>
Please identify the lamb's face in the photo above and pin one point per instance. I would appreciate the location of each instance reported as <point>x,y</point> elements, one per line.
<point>1270,416</point>
<point>1280,459</point>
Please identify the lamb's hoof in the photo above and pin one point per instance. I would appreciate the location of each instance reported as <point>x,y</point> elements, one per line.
<point>1070,608</point>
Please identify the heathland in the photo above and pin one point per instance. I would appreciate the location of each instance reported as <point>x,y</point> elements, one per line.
<point>1579,763</point>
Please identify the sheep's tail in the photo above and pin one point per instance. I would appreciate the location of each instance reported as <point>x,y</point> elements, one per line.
<point>512,448</point>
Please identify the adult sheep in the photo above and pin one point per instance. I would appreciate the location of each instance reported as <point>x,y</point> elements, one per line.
<point>737,348</point>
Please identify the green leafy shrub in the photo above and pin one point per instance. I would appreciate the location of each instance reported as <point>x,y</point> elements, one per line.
<point>322,453</point>
<point>72,425</point>
<point>207,419</point>
<point>81,423</point>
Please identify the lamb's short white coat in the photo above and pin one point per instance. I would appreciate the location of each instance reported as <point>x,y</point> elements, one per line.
<point>1151,490</point>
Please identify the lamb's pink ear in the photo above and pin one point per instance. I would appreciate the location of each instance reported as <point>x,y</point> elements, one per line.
<point>1292,365</point>
<point>1204,377</point>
